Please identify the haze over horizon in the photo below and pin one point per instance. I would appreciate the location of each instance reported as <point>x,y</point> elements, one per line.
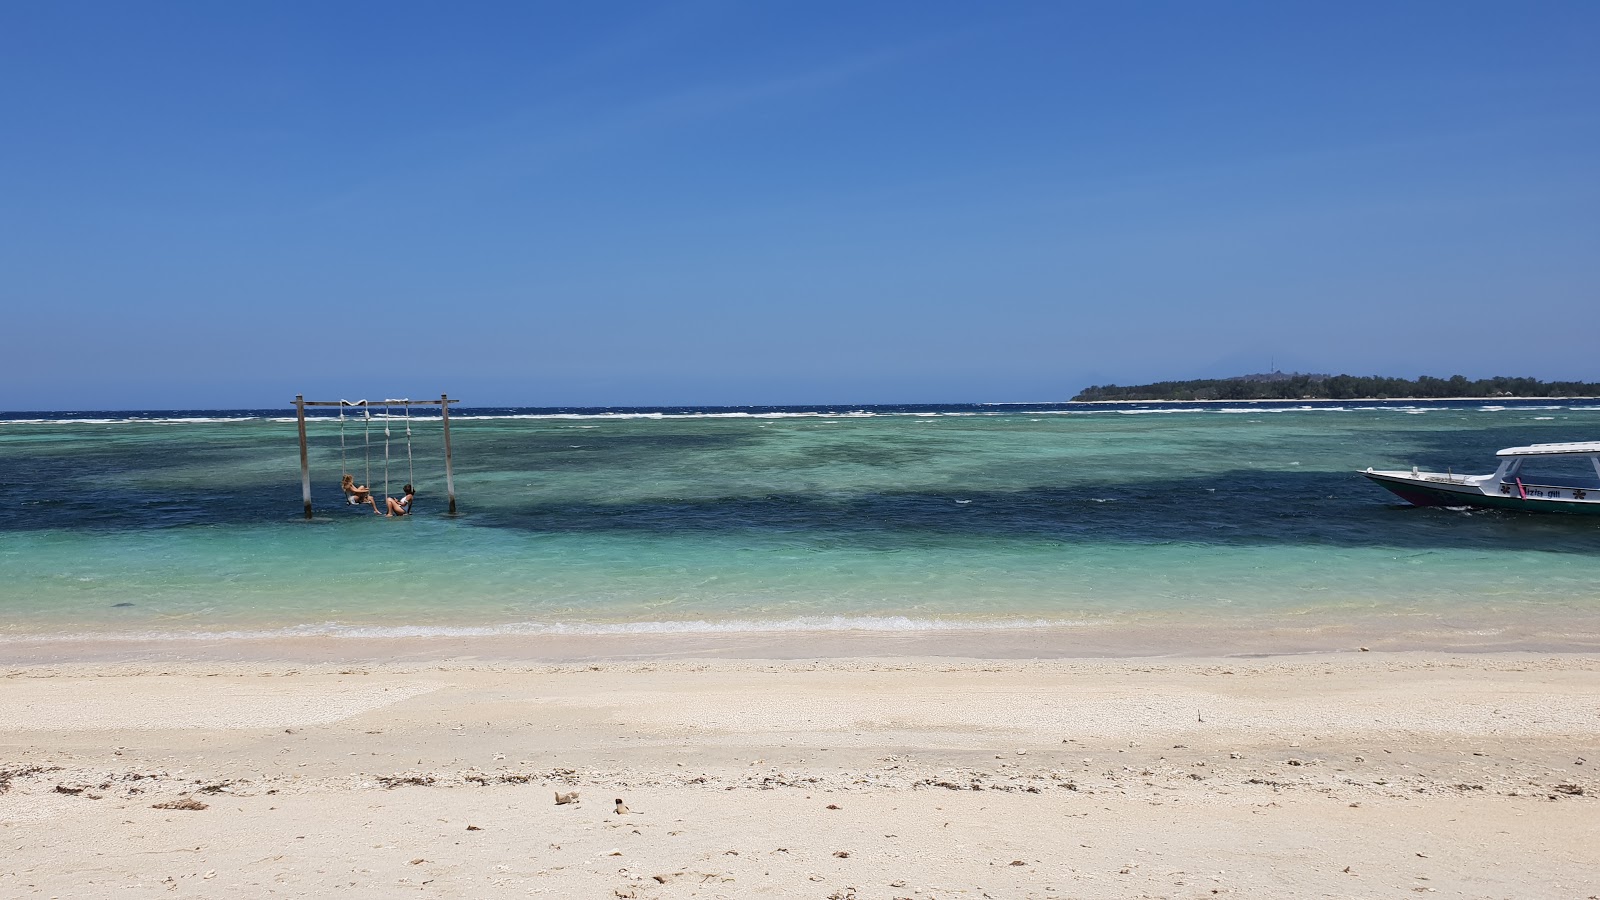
<point>711,203</point>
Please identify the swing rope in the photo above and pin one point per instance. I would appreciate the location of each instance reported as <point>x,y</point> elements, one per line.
<point>366,411</point>
<point>385,451</point>
<point>411,475</point>
<point>344,467</point>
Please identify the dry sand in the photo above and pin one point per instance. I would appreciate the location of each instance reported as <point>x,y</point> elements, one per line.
<point>1332,775</point>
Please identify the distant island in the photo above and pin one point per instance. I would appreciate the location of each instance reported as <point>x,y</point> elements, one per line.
<point>1300,386</point>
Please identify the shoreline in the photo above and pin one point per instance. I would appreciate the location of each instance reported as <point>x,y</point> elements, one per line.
<point>1565,633</point>
<point>1360,774</point>
<point>1311,662</point>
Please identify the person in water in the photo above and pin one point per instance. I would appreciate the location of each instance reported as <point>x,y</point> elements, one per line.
<point>401,507</point>
<point>357,494</point>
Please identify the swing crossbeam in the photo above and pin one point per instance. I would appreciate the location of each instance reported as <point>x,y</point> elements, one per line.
<point>444,401</point>
<point>403,402</point>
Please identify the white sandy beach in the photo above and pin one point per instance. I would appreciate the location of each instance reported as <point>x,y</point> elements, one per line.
<point>1331,775</point>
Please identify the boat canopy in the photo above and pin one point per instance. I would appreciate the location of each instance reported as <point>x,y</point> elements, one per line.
<point>1570,448</point>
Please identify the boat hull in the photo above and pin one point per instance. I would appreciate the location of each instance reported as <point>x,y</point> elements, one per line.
<point>1420,493</point>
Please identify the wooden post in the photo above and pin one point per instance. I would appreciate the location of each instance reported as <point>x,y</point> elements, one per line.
<point>305,461</point>
<point>449,479</point>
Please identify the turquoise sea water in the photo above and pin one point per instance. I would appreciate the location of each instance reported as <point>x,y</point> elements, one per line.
<point>1009,517</point>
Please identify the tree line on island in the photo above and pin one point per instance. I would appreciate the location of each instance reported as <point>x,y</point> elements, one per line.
<point>1298,386</point>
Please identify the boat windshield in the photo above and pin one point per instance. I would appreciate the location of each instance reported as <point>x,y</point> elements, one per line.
<point>1564,471</point>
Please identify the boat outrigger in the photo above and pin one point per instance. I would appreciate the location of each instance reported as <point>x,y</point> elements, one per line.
<point>1554,481</point>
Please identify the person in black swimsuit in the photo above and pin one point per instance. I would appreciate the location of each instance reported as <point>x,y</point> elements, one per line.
<point>401,507</point>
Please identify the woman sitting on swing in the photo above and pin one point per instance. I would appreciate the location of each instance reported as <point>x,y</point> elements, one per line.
<point>401,507</point>
<point>356,494</point>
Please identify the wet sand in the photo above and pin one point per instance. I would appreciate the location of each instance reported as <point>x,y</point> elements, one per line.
<point>1337,775</point>
<point>1562,631</point>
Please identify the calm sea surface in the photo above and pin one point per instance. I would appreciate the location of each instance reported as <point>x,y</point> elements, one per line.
<point>179,524</point>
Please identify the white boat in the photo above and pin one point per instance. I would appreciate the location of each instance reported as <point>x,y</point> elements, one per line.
<point>1539,477</point>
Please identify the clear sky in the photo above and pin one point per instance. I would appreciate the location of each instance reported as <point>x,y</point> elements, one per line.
<point>224,204</point>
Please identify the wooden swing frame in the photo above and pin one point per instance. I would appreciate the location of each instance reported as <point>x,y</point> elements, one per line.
<point>300,404</point>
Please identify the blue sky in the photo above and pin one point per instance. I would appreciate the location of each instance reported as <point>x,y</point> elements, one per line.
<point>225,204</point>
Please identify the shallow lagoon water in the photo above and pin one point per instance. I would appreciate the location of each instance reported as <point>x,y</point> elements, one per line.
<point>1020,517</point>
